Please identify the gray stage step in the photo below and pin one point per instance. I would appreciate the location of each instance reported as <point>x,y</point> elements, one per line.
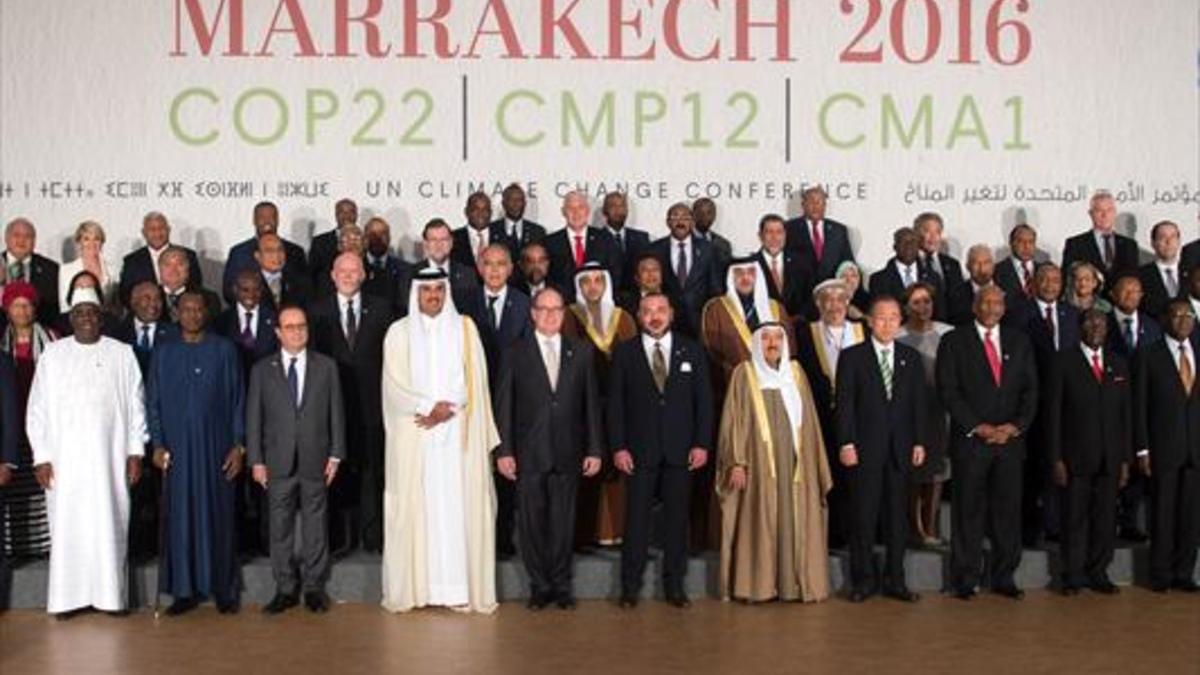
<point>357,578</point>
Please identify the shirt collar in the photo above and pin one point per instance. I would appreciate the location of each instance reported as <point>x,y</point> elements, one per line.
<point>555,339</point>
<point>1088,352</point>
<point>982,331</point>
<point>649,340</point>
<point>287,358</point>
<point>356,298</point>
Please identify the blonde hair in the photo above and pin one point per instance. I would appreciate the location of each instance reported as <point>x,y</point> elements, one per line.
<point>89,227</point>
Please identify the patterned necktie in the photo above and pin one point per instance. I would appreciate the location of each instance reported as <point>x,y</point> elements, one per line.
<point>248,331</point>
<point>681,267</point>
<point>993,356</point>
<point>1029,285</point>
<point>818,241</point>
<point>480,243</point>
<point>1050,326</point>
<point>885,369</point>
<point>492,315</point>
<point>1097,369</point>
<point>293,379</point>
<point>144,340</point>
<point>658,367</point>
<point>908,277</point>
<point>1186,375</point>
<point>776,274</point>
<point>351,324</point>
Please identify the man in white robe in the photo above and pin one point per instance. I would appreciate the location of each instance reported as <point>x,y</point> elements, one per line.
<point>87,427</point>
<point>439,498</point>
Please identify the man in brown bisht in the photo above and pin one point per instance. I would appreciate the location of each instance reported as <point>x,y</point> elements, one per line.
<point>600,505</point>
<point>772,478</point>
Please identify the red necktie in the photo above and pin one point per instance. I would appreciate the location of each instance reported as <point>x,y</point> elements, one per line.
<point>1097,370</point>
<point>818,241</point>
<point>993,356</point>
<point>578,250</point>
<point>1050,325</point>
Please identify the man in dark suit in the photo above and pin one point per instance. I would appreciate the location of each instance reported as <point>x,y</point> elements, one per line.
<point>1111,253</point>
<point>1167,438</point>
<point>175,276</point>
<point>142,264</point>
<point>1052,327</point>
<point>578,243</point>
<point>902,270</point>
<point>388,275</point>
<point>660,417</point>
<point>1189,259</point>
<point>349,326</point>
<point>826,243</point>
<point>689,267</point>
<point>517,230</point>
<point>21,263</point>
<point>438,241</point>
<point>1162,278</point>
<point>284,285</point>
<point>501,313</point>
<point>548,414</point>
<point>939,269</point>
<point>10,455</point>
<point>295,439</point>
<point>789,279</point>
<point>472,238</point>
<point>631,242</point>
<point>242,255</point>
<point>881,430</point>
<point>249,323</point>
<point>704,211</point>
<point>1015,274</point>
<point>1089,440</point>
<point>324,246</point>
<point>960,299</point>
<point>988,381</point>
<point>647,279</point>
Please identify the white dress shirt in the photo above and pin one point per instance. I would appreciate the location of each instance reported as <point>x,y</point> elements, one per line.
<point>138,327</point>
<point>995,337</point>
<point>1163,266</point>
<point>648,343</point>
<point>687,253</point>
<point>1053,307</point>
<point>500,295</point>
<point>154,256</point>
<point>301,368</point>
<point>343,301</point>
<point>908,273</point>
<point>253,320</point>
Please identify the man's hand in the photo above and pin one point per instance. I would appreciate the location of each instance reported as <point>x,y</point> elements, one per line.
<point>737,478</point>
<point>591,466</point>
<point>1144,465</point>
<point>161,459</point>
<point>233,463</point>
<point>331,469</point>
<point>697,458</point>
<point>507,466</point>
<point>848,455</point>
<point>45,475</point>
<point>1005,433</point>
<point>623,460</point>
<point>1123,475</point>
<point>441,412</point>
<point>918,455</point>
<point>5,474</point>
<point>1058,473</point>
<point>985,432</point>
<point>259,473</point>
<point>133,470</point>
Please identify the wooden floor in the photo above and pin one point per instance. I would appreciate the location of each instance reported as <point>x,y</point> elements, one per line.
<point>1134,632</point>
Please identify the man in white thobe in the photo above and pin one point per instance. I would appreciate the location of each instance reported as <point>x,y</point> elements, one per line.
<point>439,499</point>
<point>87,428</point>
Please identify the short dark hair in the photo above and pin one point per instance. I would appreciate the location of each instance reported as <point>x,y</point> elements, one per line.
<point>769,218</point>
<point>928,215</point>
<point>884,298</point>
<point>432,224</point>
<point>1159,224</point>
<point>1012,234</point>
<point>266,204</point>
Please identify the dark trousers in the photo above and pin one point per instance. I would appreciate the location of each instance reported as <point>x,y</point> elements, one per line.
<point>1089,527</point>
<point>1174,520</point>
<point>506,507</point>
<point>371,489</point>
<point>306,496</point>
<point>547,522</point>
<point>1130,500</point>
<point>143,510</point>
<point>987,498</point>
<point>878,499</point>
<point>674,486</point>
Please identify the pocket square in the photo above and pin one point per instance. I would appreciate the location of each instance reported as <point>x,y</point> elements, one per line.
<point>685,367</point>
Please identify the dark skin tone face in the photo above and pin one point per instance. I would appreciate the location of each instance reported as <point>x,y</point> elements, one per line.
<point>1194,284</point>
<point>345,212</point>
<point>479,211</point>
<point>907,245</point>
<point>1180,322</point>
<point>680,221</point>
<point>193,314</point>
<point>1094,328</point>
<point>989,306</point>
<point>616,210</point>
<point>85,321</point>
<point>513,202</point>
<point>249,289</point>
<point>1049,283</point>
<point>704,210</point>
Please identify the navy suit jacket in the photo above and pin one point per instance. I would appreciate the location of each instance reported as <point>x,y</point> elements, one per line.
<point>229,325</point>
<point>463,251</point>
<point>1148,332</point>
<point>633,243</point>
<point>1189,258</point>
<point>515,323</point>
<point>43,274</point>
<point>139,266</point>
<point>127,333</point>
<point>241,257</point>
<point>1066,320</point>
<point>796,294</point>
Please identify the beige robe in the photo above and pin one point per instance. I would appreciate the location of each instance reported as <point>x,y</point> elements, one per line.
<point>750,517</point>
<point>405,574</point>
<point>726,337</point>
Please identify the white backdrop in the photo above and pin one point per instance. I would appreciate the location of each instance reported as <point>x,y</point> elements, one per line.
<point>1106,96</point>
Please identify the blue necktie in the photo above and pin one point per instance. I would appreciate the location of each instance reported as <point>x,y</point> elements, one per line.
<point>144,341</point>
<point>294,382</point>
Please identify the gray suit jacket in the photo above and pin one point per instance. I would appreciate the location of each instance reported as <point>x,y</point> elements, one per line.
<point>291,441</point>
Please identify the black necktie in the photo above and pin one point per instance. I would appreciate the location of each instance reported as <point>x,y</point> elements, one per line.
<point>144,341</point>
<point>293,379</point>
<point>492,310</point>
<point>351,324</point>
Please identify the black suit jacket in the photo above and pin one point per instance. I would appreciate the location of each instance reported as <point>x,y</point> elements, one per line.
<point>296,289</point>
<point>1166,418</point>
<point>1155,297</point>
<point>241,257</point>
<point>1148,332</point>
<point>1083,247</point>
<point>549,429</point>
<point>701,283</point>
<point>463,251</point>
<point>321,252</point>
<point>836,242</point>
<point>881,428</point>
<point>599,246</point>
<point>43,275</point>
<point>360,368</point>
<point>659,428</point>
<point>139,266</point>
<point>463,282</point>
<point>390,282</point>
<point>1015,299</point>
<point>126,332</point>
<point>1189,258</point>
<point>796,294</point>
<point>971,395</point>
<point>10,424</point>
<point>1066,319</point>
<point>290,441</point>
<point>229,326</point>
<point>515,323</point>
<point>632,245</point>
<point>1089,424</point>
<point>530,232</point>
<point>889,281</point>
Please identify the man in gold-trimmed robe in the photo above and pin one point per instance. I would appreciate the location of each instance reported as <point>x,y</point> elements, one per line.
<point>600,504</point>
<point>772,478</point>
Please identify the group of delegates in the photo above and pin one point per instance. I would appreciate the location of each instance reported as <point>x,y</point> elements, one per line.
<point>518,390</point>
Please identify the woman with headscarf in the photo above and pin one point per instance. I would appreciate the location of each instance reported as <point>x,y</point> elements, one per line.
<point>772,479</point>
<point>850,274</point>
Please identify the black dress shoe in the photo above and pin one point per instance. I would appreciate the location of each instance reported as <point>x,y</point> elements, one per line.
<point>537,600</point>
<point>627,601</point>
<point>1070,591</point>
<point>181,606</point>
<point>1133,535</point>
<point>565,600</point>
<point>316,602</point>
<point>227,606</point>
<point>1160,586</point>
<point>1104,586</point>
<point>280,603</point>
<point>858,595</point>
<point>1010,592</point>
<point>679,599</point>
<point>1186,585</point>
<point>901,594</point>
<point>964,593</point>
